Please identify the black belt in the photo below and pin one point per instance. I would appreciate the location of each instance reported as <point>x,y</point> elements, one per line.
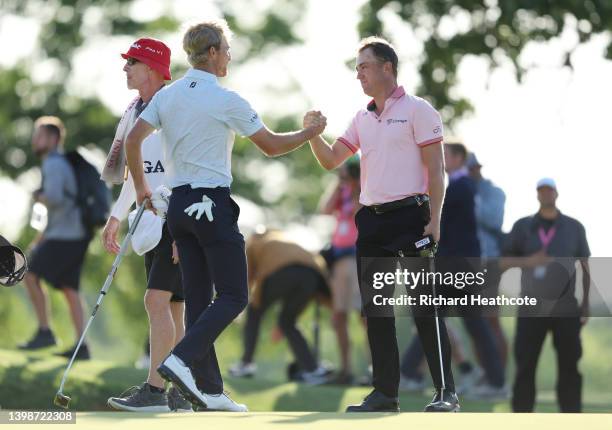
<point>382,208</point>
<point>187,188</point>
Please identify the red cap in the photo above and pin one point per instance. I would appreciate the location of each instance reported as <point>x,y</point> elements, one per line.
<point>153,53</point>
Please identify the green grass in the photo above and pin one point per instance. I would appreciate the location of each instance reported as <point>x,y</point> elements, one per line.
<point>29,381</point>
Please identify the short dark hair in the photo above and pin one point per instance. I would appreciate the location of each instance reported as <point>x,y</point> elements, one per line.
<point>382,50</point>
<point>53,126</point>
<point>457,148</point>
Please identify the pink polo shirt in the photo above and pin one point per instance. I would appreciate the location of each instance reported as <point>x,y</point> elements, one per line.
<point>390,144</point>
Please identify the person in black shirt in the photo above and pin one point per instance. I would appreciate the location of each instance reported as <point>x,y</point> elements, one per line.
<point>539,237</point>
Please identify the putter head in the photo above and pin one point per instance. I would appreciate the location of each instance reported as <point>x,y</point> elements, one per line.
<point>61,400</point>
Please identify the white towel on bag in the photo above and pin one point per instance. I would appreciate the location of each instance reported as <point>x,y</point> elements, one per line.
<point>114,171</point>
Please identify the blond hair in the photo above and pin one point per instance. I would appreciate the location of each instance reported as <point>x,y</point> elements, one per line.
<point>201,37</point>
<point>53,125</point>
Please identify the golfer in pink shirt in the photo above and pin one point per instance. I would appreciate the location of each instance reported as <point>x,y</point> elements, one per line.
<point>402,189</point>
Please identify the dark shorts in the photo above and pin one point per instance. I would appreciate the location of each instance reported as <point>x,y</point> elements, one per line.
<point>59,262</point>
<point>162,273</point>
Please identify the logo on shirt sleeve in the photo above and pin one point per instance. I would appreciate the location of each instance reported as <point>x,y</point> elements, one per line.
<point>254,117</point>
<point>193,84</point>
<point>437,130</point>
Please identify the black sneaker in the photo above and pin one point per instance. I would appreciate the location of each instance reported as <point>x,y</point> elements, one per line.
<point>376,402</point>
<point>42,339</point>
<point>83,353</point>
<point>140,399</point>
<point>177,402</point>
<point>448,402</point>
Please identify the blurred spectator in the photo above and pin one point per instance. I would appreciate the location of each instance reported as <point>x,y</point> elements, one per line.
<point>58,255</point>
<point>539,237</point>
<point>280,270</point>
<point>343,202</point>
<point>458,235</point>
<point>489,205</point>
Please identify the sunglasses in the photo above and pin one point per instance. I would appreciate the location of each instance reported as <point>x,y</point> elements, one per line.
<point>131,61</point>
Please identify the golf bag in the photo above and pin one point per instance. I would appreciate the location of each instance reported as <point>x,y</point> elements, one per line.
<point>93,196</point>
<point>13,264</point>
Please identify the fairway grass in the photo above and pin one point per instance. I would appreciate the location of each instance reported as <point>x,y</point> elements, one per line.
<point>30,381</point>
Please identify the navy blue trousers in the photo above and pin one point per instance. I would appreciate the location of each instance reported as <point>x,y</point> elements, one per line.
<point>211,254</point>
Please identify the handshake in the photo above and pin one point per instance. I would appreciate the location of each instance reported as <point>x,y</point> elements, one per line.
<point>314,123</point>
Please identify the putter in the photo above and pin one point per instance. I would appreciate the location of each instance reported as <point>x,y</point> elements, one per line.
<point>433,286</point>
<point>427,247</point>
<point>61,399</point>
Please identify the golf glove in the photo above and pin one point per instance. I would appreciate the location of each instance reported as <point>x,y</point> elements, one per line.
<point>160,200</point>
<point>204,207</point>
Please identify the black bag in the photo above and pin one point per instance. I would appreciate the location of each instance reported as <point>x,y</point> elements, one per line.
<point>93,196</point>
<point>13,264</point>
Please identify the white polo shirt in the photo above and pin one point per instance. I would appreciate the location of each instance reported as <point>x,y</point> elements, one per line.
<point>198,119</point>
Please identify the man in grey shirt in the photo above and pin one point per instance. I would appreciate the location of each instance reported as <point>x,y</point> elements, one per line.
<point>58,255</point>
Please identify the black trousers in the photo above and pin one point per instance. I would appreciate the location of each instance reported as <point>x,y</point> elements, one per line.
<point>382,236</point>
<point>530,335</point>
<point>210,253</point>
<point>294,286</point>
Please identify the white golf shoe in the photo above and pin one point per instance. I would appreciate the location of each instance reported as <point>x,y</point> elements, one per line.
<point>223,402</point>
<point>174,370</point>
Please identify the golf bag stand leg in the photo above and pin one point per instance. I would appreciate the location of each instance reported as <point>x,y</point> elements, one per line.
<point>60,398</point>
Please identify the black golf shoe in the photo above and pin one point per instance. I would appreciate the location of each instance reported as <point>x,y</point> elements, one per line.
<point>376,402</point>
<point>83,353</point>
<point>448,402</point>
<point>177,402</point>
<point>42,339</point>
<point>141,399</point>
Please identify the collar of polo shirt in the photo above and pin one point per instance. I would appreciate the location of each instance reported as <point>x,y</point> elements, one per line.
<point>399,92</point>
<point>200,74</point>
